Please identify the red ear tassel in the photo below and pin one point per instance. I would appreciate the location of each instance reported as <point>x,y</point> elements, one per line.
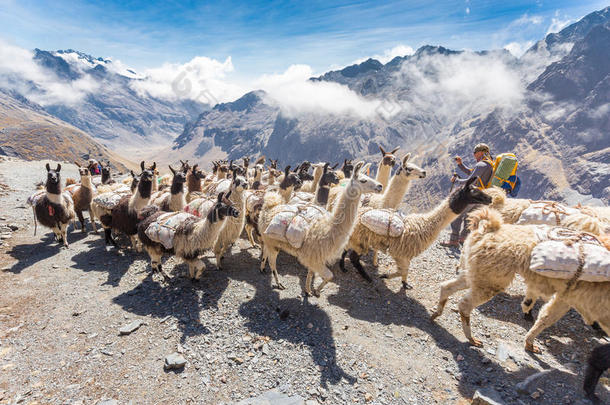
<point>51,211</point>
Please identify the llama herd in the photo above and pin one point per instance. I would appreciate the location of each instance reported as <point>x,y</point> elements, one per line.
<point>330,215</point>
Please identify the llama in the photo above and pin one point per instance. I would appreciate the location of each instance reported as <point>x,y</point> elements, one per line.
<point>106,175</point>
<point>82,195</point>
<point>124,216</point>
<point>55,210</point>
<point>310,186</point>
<point>346,169</point>
<point>419,232</point>
<point>192,237</point>
<point>325,237</point>
<point>597,363</point>
<point>175,199</point>
<point>493,253</point>
<point>233,226</point>
<point>320,197</point>
<point>193,183</point>
<point>391,198</point>
<point>289,183</point>
<point>388,160</point>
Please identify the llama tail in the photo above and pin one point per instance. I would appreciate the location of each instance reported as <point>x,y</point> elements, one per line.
<point>485,220</point>
<point>271,200</point>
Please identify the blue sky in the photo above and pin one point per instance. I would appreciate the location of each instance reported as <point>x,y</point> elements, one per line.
<point>268,37</point>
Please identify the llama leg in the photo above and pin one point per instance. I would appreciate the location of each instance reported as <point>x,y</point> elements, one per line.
<point>264,256</point>
<point>375,261</point>
<point>199,266</point>
<point>550,313</point>
<point>449,288</point>
<point>354,257</point>
<point>326,275</point>
<point>64,233</point>
<point>249,232</point>
<point>402,271</point>
<point>272,256</point>
<point>308,282</point>
<point>135,243</point>
<point>475,297</point>
<point>81,219</point>
<point>219,250</point>
<point>342,261</point>
<point>92,219</point>
<point>528,304</point>
<point>108,237</point>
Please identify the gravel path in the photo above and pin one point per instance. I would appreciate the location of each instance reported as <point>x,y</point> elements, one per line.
<point>61,311</point>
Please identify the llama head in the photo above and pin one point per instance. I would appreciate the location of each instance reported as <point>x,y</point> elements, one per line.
<point>53,179</point>
<point>246,162</point>
<point>197,172</point>
<point>179,178</point>
<point>290,180</point>
<point>106,171</point>
<point>363,183</point>
<point>347,168</point>
<point>146,178</point>
<point>302,171</point>
<point>410,170</point>
<point>223,167</point>
<point>185,165</point>
<point>329,176</point>
<point>273,164</point>
<point>239,183</point>
<point>84,173</point>
<point>388,158</point>
<point>223,208</point>
<point>134,181</point>
<point>469,194</point>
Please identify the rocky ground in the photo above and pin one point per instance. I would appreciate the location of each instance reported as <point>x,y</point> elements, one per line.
<point>84,325</point>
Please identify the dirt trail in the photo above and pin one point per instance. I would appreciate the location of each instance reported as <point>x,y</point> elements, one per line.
<point>61,310</point>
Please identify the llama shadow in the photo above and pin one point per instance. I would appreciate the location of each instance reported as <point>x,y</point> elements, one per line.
<point>380,305</point>
<point>287,318</point>
<point>29,254</point>
<point>181,298</point>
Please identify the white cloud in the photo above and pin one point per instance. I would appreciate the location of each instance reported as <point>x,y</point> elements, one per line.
<point>518,48</point>
<point>526,19</point>
<point>19,72</point>
<point>558,23</point>
<point>202,79</point>
<point>295,94</point>
<point>467,10</point>
<point>389,54</point>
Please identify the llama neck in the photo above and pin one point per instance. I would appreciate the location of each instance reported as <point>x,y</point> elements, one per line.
<point>105,177</point>
<point>383,174</point>
<point>207,231</point>
<point>322,195</point>
<point>317,173</point>
<point>193,183</point>
<point>271,179</point>
<point>85,181</point>
<point>155,183</point>
<point>54,192</point>
<point>395,191</point>
<point>286,193</point>
<point>221,175</point>
<point>54,198</point>
<point>176,188</point>
<point>141,198</point>
<point>344,214</point>
<point>434,221</point>
<point>177,201</point>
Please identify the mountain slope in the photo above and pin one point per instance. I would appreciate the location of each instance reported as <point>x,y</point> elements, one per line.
<point>28,132</point>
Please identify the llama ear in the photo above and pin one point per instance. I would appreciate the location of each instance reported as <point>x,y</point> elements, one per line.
<point>194,168</point>
<point>335,166</point>
<point>344,162</point>
<point>48,167</point>
<point>172,169</point>
<point>77,164</point>
<point>395,149</point>
<point>220,196</point>
<point>142,165</point>
<point>326,167</point>
<point>382,151</point>
<point>132,174</point>
<point>287,170</point>
<point>366,168</point>
<point>226,197</point>
<point>406,158</point>
<point>154,166</point>
<point>58,168</point>
<point>234,174</point>
<point>357,169</point>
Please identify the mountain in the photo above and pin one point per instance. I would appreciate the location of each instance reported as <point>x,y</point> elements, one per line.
<point>111,109</point>
<point>550,107</point>
<point>28,132</point>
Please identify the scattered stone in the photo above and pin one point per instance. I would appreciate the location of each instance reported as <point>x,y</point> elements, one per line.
<point>108,402</point>
<point>14,227</point>
<point>273,398</point>
<point>368,397</point>
<point>56,266</point>
<point>106,352</point>
<point>527,386</point>
<point>460,357</point>
<point>174,361</point>
<point>130,327</point>
<point>486,397</point>
<point>535,394</point>
<point>503,352</point>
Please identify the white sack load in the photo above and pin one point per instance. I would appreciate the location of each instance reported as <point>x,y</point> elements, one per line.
<point>384,222</point>
<point>301,197</point>
<point>164,228</point>
<point>292,224</point>
<point>108,200</point>
<point>35,197</point>
<point>96,180</point>
<point>199,207</point>
<point>556,259</point>
<point>254,198</point>
<point>72,188</point>
<point>549,213</point>
<point>221,186</point>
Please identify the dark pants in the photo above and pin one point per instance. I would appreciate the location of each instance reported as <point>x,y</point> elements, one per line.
<point>459,226</point>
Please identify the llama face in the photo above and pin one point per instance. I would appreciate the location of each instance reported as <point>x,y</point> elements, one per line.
<point>239,183</point>
<point>388,158</point>
<point>329,177</point>
<point>53,179</point>
<point>468,194</point>
<point>198,173</point>
<point>106,171</point>
<point>84,172</point>
<point>363,182</point>
<point>410,170</point>
<point>290,180</point>
<point>222,209</point>
<point>347,168</point>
